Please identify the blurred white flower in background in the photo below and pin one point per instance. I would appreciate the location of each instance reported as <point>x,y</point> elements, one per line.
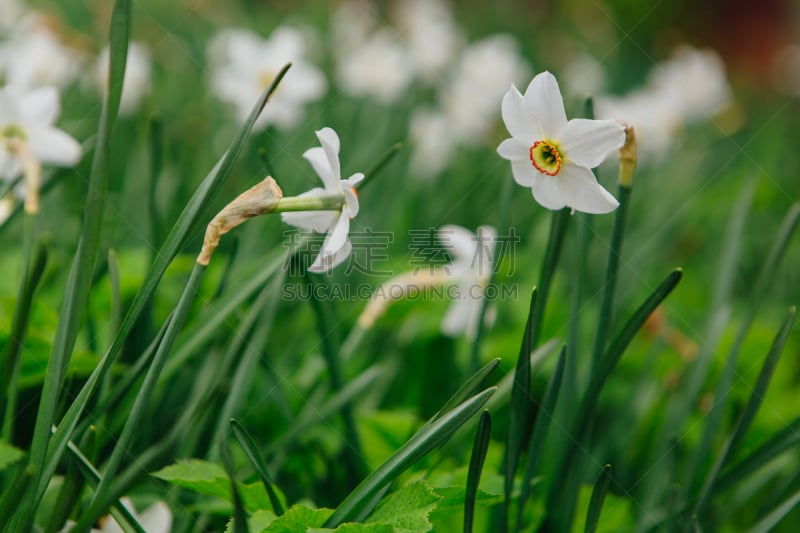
<point>36,57</point>
<point>11,12</point>
<point>431,35</point>
<point>432,138</point>
<point>470,270</point>
<point>244,64</point>
<point>325,160</point>
<point>352,22</point>
<point>27,127</point>
<point>554,156</point>
<point>584,75</point>
<point>137,81</point>
<point>155,519</point>
<point>379,68</point>
<point>688,88</point>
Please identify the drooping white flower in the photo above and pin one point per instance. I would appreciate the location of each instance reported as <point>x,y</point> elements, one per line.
<point>380,68</point>
<point>36,57</point>
<point>136,84</point>
<point>155,519</point>
<point>470,270</point>
<point>325,161</point>
<point>244,65</point>
<point>27,128</point>
<point>554,156</point>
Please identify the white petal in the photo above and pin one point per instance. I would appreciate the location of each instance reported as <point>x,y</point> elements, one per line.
<point>544,102</point>
<point>40,106</point>
<point>514,149</point>
<point>53,146</point>
<point>157,518</point>
<point>319,161</point>
<point>459,242</point>
<point>337,236</point>
<point>588,142</point>
<point>580,190</point>
<point>547,193</point>
<point>524,172</point>
<point>456,320</point>
<point>353,180</point>
<point>330,143</point>
<point>329,262</point>
<point>487,236</point>
<point>350,199</point>
<point>517,118</point>
<point>319,221</point>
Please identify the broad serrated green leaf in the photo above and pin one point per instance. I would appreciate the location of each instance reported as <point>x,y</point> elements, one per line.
<point>257,522</point>
<point>299,519</point>
<point>210,479</point>
<point>407,509</point>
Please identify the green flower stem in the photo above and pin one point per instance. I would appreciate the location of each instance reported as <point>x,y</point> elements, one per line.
<point>121,449</point>
<point>331,202</point>
<point>605,319</point>
<point>558,229</point>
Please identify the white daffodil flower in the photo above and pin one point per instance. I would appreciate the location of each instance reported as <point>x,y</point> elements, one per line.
<point>380,68</point>
<point>27,133</point>
<point>470,270</point>
<point>325,161</point>
<point>136,84</point>
<point>554,156</point>
<point>155,519</point>
<point>244,65</point>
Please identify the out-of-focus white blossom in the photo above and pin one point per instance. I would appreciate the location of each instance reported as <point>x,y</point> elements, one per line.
<point>470,270</point>
<point>432,36</point>
<point>352,23</point>
<point>432,141</point>
<point>380,68</point>
<point>136,84</point>
<point>244,64</point>
<point>27,129</point>
<point>554,156</point>
<point>11,13</point>
<point>690,87</point>
<point>155,519</point>
<point>584,75</point>
<point>35,58</point>
<point>485,70</point>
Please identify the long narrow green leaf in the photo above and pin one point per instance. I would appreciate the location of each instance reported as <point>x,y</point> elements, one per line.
<point>100,499</point>
<point>239,513</point>
<point>251,449</point>
<point>78,284</point>
<point>604,318</point>
<point>598,497</point>
<point>124,518</point>
<point>779,513</point>
<point>560,503</point>
<point>479,449</point>
<point>156,131</point>
<point>412,451</point>
<point>750,410</point>
<point>200,200</point>
<point>543,419</point>
<point>558,229</point>
<point>765,277</point>
<point>519,409</point>
<point>466,390</point>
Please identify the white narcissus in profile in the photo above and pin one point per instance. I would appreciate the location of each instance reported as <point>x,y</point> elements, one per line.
<point>27,130</point>
<point>325,161</point>
<point>470,270</point>
<point>244,65</point>
<point>554,156</point>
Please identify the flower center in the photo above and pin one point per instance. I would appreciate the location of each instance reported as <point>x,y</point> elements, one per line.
<point>546,156</point>
<point>265,78</point>
<point>13,131</point>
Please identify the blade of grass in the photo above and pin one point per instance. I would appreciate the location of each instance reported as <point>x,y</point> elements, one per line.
<point>19,326</point>
<point>384,160</point>
<point>519,410</point>
<point>125,439</point>
<point>422,443</point>
<point>598,497</point>
<point>749,413</point>
<point>477,458</point>
<point>759,289</point>
<point>251,449</point>
<point>560,502</point>
<point>197,204</point>
<point>239,514</point>
<point>77,291</point>
<point>540,427</point>
<point>767,524</point>
<point>466,390</point>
